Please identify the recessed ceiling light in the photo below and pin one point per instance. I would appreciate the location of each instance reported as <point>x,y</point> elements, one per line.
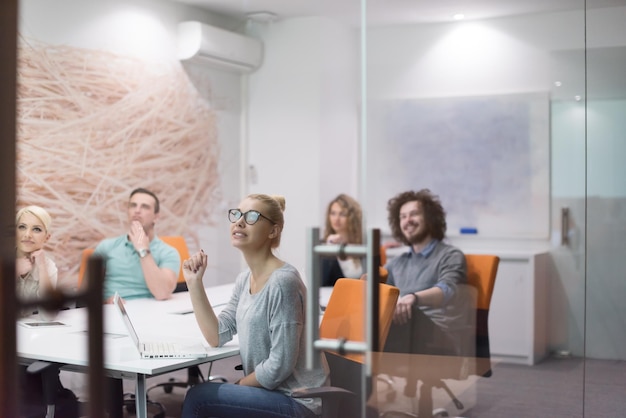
<point>558,83</point>
<point>577,98</point>
<point>262,16</point>
<point>458,16</point>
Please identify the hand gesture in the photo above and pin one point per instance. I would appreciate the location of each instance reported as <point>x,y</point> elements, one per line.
<point>23,265</point>
<point>138,236</point>
<point>404,308</point>
<point>38,258</point>
<point>334,239</point>
<point>194,267</point>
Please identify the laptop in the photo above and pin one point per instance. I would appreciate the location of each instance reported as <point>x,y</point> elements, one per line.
<point>157,349</point>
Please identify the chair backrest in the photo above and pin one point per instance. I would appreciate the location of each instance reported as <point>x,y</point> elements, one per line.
<point>83,264</point>
<point>382,271</point>
<point>344,316</point>
<point>481,274</point>
<point>176,241</point>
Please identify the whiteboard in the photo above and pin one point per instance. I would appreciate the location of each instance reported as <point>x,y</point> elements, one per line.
<point>486,157</point>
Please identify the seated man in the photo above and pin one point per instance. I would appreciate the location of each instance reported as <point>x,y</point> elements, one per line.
<point>428,276</point>
<point>138,264</point>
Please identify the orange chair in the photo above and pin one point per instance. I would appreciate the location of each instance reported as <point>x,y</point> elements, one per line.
<point>344,318</point>
<point>87,252</point>
<point>179,243</point>
<point>382,271</point>
<point>481,275</point>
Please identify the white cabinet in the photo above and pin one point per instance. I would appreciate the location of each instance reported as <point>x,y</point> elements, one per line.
<point>518,313</point>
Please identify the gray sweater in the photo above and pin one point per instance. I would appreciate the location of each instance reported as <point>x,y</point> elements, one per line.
<point>270,326</point>
<point>443,266</point>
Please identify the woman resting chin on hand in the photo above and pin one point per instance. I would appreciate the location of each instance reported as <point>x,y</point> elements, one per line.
<point>36,272</point>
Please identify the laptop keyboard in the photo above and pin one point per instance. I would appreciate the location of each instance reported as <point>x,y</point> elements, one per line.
<point>161,347</point>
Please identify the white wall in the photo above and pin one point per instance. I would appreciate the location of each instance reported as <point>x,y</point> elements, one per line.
<point>515,55</point>
<point>496,56</point>
<point>302,123</point>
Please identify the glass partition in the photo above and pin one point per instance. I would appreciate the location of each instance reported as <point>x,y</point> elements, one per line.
<point>513,120</point>
<point>605,287</point>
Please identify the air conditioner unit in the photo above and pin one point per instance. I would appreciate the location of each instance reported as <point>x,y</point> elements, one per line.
<point>218,47</point>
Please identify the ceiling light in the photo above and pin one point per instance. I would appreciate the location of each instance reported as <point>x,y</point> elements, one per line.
<point>458,16</point>
<point>558,83</point>
<point>262,16</point>
<point>577,98</point>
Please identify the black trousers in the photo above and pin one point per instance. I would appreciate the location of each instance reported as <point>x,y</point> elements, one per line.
<point>419,336</point>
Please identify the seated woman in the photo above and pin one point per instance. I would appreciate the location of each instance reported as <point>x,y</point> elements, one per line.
<point>36,275</point>
<point>267,312</point>
<point>343,226</point>
<point>36,272</point>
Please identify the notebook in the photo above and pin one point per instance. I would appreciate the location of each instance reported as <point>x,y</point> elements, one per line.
<point>157,349</point>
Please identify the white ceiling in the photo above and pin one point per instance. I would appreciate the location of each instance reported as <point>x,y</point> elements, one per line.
<point>605,65</point>
<point>388,12</point>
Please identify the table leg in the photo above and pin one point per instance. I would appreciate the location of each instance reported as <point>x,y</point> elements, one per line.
<point>141,396</point>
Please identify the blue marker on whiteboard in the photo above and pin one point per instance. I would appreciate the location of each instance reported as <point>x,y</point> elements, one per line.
<point>468,230</point>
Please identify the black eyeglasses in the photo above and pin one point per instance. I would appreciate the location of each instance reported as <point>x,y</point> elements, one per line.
<point>251,217</point>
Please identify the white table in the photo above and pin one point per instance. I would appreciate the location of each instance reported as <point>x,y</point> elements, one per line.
<point>170,319</point>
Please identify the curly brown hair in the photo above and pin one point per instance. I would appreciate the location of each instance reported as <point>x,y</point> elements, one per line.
<point>434,214</point>
<point>355,217</point>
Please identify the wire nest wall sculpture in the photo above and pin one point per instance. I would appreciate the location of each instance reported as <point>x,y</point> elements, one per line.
<point>92,126</point>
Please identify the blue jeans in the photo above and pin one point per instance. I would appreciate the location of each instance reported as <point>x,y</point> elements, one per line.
<point>226,400</point>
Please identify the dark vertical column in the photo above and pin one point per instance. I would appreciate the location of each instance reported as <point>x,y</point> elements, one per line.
<point>8,74</point>
<point>94,298</point>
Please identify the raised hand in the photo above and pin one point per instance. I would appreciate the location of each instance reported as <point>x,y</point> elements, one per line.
<point>38,258</point>
<point>334,239</point>
<point>23,265</point>
<point>194,268</point>
<point>138,236</point>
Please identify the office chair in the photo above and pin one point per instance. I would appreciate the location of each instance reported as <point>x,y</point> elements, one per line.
<point>481,276</point>
<point>344,318</point>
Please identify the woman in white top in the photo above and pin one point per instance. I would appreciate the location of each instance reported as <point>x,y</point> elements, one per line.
<point>36,276</point>
<point>267,312</point>
<point>36,272</point>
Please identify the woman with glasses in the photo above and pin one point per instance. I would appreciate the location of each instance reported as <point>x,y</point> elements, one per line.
<point>267,312</point>
<point>343,226</point>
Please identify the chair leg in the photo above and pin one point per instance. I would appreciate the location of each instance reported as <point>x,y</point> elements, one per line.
<point>457,402</point>
<point>211,378</point>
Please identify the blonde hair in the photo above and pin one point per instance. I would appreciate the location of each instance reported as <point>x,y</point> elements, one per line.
<point>275,205</point>
<point>38,212</point>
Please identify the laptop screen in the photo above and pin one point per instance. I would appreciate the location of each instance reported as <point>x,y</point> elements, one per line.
<point>117,301</point>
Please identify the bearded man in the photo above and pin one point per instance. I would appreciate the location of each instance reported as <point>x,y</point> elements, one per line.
<point>429,275</point>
